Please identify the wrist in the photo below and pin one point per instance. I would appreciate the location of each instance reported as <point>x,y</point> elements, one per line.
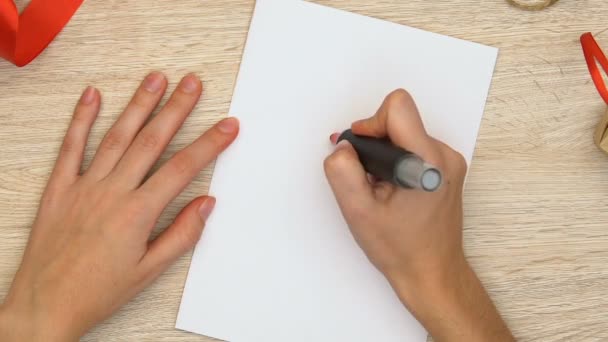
<point>452,304</point>
<point>423,291</point>
<point>22,322</point>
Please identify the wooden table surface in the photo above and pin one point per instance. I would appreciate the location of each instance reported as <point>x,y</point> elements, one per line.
<point>536,227</point>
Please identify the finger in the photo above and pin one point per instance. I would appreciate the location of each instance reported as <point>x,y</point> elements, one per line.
<point>122,133</point>
<point>382,190</point>
<point>180,237</point>
<point>154,137</point>
<point>171,179</point>
<point>398,103</point>
<point>67,167</point>
<point>399,119</point>
<point>348,179</point>
<point>334,138</point>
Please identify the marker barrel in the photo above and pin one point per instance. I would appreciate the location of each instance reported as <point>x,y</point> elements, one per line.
<point>393,164</point>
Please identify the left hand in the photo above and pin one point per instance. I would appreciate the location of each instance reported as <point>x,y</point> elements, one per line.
<point>89,251</point>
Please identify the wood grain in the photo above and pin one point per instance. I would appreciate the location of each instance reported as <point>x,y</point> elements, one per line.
<point>536,226</point>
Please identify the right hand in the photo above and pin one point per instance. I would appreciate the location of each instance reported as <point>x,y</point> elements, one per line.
<point>413,237</point>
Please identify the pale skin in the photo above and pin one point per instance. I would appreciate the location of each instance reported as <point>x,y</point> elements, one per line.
<point>415,238</point>
<point>90,251</point>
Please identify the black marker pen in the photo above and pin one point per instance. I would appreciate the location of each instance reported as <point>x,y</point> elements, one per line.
<point>393,164</point>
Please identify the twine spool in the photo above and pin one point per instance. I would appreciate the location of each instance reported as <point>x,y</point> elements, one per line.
<point>528,5</point>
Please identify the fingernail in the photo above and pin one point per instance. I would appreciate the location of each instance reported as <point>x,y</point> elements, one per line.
<point>229,125</point>
<point>190,83</point>
<point>154,82</point>
<point>206,208</point>
<point>88,95</point>
<point>334,138</point>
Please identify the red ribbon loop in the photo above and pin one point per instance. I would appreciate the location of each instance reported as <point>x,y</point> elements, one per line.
<point>23,37</point>
<point>594,53</point>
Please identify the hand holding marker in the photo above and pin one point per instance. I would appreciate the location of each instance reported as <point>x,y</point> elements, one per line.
<point>390,163</point>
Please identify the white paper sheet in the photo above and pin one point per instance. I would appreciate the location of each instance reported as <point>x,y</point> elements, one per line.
<point>276,262</point>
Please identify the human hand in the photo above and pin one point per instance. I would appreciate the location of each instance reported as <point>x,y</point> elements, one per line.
<point>408,235</point>
<point>413,237</point>
<point>89,250</point>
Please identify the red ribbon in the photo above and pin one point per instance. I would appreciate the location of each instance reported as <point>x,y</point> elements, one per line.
<point>594,53</point>
<point>25,36</point>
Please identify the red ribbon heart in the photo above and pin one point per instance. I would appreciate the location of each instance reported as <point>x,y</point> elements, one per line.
<point>25,36</point>
<point>594,53</point>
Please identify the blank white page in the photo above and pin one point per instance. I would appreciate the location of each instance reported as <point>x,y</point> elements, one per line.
<point>277,262</point>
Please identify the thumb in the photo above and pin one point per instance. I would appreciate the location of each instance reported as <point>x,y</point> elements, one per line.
<point>348,179</point>
<point>181,236</point>
<point>399,119</point>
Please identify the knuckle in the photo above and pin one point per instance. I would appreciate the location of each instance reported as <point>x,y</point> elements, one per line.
<point>217,139</point>
<point>80,117</point>
<point>114,140</point>
<point>336,161</point>
<point>141,101</point>
<point>445,157</point>
<point>453,159</point>
<point>188,237</point>
<point>180,101</point>
<point>148,141</point>
<point>212,142</point>
<point>460,162</point>
<point>398,98</point>
<point>68,145</point>
<point>50,198</point>
<point>181,164</point>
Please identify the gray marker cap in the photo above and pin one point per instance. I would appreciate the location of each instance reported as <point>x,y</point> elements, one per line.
<point>413,172</point>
